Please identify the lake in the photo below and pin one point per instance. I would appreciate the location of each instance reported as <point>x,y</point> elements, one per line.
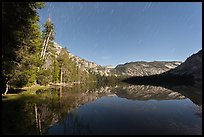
<point>101,109</point>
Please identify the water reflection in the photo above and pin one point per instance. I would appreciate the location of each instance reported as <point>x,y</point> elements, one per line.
<point>115,109</point>
<point>112,115</point>
<point>130,109</point>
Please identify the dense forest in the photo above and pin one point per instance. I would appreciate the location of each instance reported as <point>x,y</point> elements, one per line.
<point>28,55</point>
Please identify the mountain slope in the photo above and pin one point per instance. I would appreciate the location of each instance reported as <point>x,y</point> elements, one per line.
<point>191,66</point>
<point>142,68</point>
<point>74,68</point>
<point>89,66</point>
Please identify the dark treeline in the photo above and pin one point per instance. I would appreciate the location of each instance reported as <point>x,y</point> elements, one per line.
<point>161,79</point>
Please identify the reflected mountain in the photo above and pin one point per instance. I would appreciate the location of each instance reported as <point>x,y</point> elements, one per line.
<point>147,92</point>
<point>133,92</point>
<point>73,99</point>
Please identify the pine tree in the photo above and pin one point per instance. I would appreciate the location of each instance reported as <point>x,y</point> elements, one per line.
<point>48,54</point>
<point>21,42</point>
<point>47,36</point>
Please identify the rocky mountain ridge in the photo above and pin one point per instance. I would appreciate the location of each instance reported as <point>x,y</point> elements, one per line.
<point>142,68</point>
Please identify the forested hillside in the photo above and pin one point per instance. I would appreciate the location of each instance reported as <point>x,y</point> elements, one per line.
<point>30,56</point>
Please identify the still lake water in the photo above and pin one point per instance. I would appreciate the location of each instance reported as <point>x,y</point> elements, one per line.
<point>118,109</point>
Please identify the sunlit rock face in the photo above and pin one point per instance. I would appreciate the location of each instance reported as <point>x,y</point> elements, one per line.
<point>85,65</point>
<point>90,66</point>
<point>191,66</point>
<point>142,68</point>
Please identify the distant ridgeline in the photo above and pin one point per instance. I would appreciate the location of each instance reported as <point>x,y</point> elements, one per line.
<point>189,73</point>
<point>142,68</point>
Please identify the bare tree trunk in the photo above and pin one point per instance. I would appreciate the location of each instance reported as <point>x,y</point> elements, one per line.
<point>7,87</point>
<point>37,120</point>
<point>43,47</point>
<point>39,124</point>
<point>61,77</point>
<point>60,96</point>
<point>46,44</point>
<point>36,116</point>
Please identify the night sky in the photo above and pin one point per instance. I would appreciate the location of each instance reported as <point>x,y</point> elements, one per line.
<point>111,33</point>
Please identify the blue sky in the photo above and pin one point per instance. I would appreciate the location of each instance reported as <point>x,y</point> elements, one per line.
<point>112,33</point>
